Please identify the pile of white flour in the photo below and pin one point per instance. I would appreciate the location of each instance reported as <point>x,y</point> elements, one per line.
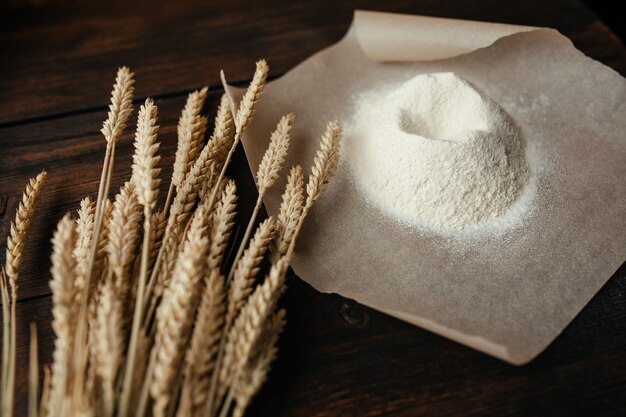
<point>438,153</point>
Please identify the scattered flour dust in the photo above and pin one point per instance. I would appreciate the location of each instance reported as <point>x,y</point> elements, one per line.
<point>437,152</point>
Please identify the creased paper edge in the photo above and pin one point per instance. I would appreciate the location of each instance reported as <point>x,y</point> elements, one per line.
<point>394,37</point>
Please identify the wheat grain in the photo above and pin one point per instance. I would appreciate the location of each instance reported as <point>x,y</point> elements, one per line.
<point>251,97</point>
<point>289,213</point>
<point>145,160</point>
<point>175,313</point>
<point>20,226</point>
<point>221,225</point>
<point>63,309</point>
<point>247,268</point>
<point>200,359</point>
<point>121,105</point>
<point>275,154</point>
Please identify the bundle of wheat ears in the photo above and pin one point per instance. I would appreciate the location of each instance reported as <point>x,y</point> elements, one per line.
<point>148,318</point>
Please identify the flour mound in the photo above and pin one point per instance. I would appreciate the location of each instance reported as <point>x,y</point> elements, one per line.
<point>437,152</point>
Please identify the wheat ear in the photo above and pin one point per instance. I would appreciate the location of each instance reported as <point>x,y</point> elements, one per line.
<point>324,167</point>
<point>146,182</point>
<point>121,105</point>
<point>191,129</point>
<point>200,359</point>
<point>175,313</point>
<point>248,329</point>
<point>251,97</point>
<point>20,226</point>
<point>123,236</point>
<point>63,310</point>
<point>289,214</point>
<point>109,342</point>
<point>145,172</point>
<point>274,156</point>
<point>220,143</point>
<point>181,210</point>
<point>84,230</point>
<point>221,225</point>
<point>248,267</point>
<point>256,371</point>
<point>267,174</point>
<point>15,249</point>
<point>242,118</point>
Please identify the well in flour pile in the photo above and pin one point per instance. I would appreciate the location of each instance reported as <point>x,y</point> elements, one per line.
<point>438,153</point>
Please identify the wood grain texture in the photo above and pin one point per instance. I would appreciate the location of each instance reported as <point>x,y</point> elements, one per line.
<point>337,358</point>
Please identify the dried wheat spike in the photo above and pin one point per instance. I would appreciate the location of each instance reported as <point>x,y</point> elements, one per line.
<point>123,236</point>
<point>248,327</point>
<point>250,98</point>
<point>221,225</point>
<point>181,210</point>
<point>157,228</point>
<point>20,226</point>
<point>64,309</point>
<point>289,214</point>
<point>109,341</point>
<point>248,267</point>
<point>274,156</point>
<point>256,371</point>
<point>191,129</point>
<point>121,105</point>
<point>175,313</point>
<point>201,356</point>
<point>145,171</point>
<point>223,130</point>
<point>84,229</point>
<point>324,163</point>
<point>101,255</point>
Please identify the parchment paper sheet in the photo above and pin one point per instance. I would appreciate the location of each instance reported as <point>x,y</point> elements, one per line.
<point>508,293</point>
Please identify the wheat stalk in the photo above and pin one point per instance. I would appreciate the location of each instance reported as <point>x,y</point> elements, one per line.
<point>63,310</point>
<point>175,314</point>
<point>33,374</point>
<point>201,356</point>
<point>289,213</point>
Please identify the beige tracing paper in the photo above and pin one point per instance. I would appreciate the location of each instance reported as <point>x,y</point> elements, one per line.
<point>505,291</point>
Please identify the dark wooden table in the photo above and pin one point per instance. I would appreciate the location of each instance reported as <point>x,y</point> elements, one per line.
<point>337,358</point>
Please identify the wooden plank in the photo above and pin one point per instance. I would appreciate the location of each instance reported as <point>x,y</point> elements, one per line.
<point>61,58</point>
